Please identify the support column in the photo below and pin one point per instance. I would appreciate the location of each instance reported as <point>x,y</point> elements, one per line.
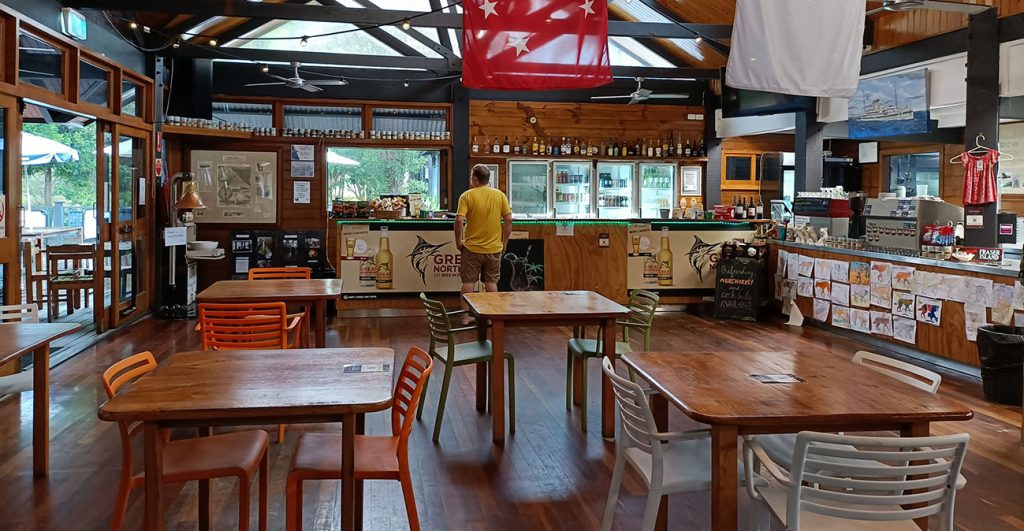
<point>808,145</point>
<point>713,144</point>
<point>460,143</point>
<point>982,113</point>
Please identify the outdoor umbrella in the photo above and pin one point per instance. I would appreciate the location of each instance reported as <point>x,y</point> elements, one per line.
<point>334,158</point>
<point>36,150</point>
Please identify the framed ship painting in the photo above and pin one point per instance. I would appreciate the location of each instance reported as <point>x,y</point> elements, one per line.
<point>891,105</point>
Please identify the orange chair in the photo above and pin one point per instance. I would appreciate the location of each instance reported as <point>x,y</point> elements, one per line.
<point>237,454</point>
<point>284,273</point>
<point>317,455</point>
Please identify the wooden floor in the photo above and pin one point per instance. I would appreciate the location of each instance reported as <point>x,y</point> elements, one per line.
<point>548,476</point>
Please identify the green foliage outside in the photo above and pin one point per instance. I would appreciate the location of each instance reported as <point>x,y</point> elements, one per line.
<point>75,181</point>
<point>380,171</point>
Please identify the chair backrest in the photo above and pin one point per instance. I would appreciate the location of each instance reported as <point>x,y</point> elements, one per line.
<point>67,253</point>
<point>277,273</point>
<point>437,319</point>
<point>243,326</point>
<point>642,304</point>
<point>123,372</point>
<point>875,475</point>
<point>636,422</point>
<point>19,313</point>
<point>907,373</point>
<point>408,393</point>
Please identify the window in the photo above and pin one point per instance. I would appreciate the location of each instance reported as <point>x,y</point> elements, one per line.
<point>40,63</point>
<point>131,98</point>
<point>250,114</point>
<point>323,118</point>
<point>362,174</point>
<point>354,41</point>
<point>917,173</point>
<point>410,120</point>
<point>93,84</point>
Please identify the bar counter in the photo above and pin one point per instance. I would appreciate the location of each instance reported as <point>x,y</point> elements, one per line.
<point>949,338</point>
<point>605,256</point>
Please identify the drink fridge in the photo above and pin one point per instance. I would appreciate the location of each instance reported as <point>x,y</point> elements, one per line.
<point>616,186</point>
<point>573,188</point>
<point>657,188</point>
<point>528,188</point>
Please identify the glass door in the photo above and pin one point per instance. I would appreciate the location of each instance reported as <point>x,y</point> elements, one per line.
<point>573,189</point>
<point>528,188</point>
<point>126,266</point>
<point>10,138</point>
<point>615,182</point>
<point>657,189</point>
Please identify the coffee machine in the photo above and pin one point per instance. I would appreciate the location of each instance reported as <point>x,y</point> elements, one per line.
<point>857,221</point>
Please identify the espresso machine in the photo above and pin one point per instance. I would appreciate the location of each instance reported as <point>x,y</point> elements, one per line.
<point>858,224</point>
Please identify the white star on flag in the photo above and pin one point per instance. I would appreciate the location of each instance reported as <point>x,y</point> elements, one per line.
<point>520,46</point>
<point>588,7</point>
<point>488,7</point>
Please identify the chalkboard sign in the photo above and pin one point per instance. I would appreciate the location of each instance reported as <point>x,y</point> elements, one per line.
<point>738,289</point>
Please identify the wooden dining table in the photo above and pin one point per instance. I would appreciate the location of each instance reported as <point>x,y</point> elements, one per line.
<point>540,308</point>
<point>21,339</point>
<point>832,394</point>
<point>312,293</point>
<point>256,387</point>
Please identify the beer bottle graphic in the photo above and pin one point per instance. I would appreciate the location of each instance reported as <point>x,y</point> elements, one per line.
<point>664,260</point>
<point>385,262</point>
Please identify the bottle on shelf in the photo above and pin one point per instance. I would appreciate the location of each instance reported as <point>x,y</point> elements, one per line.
<point>657,149</point>
<point>760,208</point>
<point>741,209</point>
<point>476,147</point>
<point>687,151</point>
<point>384,262</point>
<point>751,209</point>
<point>609,150</point>
<point>506,148</point>
<point>665,260</point>
<point>636,149</point>
<point>679,147</point>
<point>515,148</point>
<point>556,150</point>
<point>664,148</point>
<point>699,212</point>
<point>496,147</point>
<point>541,148</point>
<point>550,148</point>
<point>535,147</point>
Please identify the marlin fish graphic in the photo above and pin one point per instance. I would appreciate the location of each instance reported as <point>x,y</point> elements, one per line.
<point>421,254</point>
<point>700,255</point>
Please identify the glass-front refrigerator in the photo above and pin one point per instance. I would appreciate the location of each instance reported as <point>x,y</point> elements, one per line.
<point>616,183</point>
<point>573,189</point>
<point>528,188</point>
<point>657,188</point>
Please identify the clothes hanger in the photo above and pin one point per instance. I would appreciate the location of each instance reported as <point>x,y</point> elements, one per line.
<point>980,148</point>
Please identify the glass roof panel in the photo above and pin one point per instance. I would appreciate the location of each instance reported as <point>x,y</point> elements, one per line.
<point>407,39</point>
<point>626,51</point>
<point>354,42</point>
<point>643,13</point>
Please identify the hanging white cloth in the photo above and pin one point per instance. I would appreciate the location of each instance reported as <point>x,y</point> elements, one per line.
<point>799,47</point>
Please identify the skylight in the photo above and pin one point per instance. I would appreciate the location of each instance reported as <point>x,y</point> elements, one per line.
<point>354,42</point>
<point>641,12</point>
<point>626,51</point>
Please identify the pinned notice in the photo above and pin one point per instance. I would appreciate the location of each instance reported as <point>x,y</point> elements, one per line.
<point>174,236</point>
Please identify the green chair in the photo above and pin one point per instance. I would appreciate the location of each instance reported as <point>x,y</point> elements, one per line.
<point>642,305</point>
<point>458,354</point>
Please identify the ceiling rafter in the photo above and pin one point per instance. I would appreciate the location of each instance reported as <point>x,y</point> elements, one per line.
<point>442,35</point>
<point>414,34</point>
<point>709,44</point>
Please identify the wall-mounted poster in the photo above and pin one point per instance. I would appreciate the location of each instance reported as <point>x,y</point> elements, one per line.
<point>891,105</point>
<point>236,186</point>
<point>690,180</point>
<point>1011,171</point>
<point>522,266</point>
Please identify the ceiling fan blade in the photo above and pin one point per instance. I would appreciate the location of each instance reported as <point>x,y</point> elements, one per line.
<point>264,84</point>
<point>643,93</point>
<point>611,97</point>
<point>873,11</point>
<point>310,88</point>
<point>668,96</point>
<point>326,82</point>
<point>635,100</point>
<point>955,7</point>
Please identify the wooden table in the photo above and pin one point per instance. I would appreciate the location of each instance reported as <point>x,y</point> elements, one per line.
<point>837,395</point>
<point>541,308</point>
<point>313,293</point>
<point>254,387</point>
<point>20,339</point>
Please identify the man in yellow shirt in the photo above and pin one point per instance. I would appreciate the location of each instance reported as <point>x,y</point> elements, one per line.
<point>483,240</point>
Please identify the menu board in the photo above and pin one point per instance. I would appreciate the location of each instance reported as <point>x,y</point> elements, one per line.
<point>274,248</point>
<point>737,289</point>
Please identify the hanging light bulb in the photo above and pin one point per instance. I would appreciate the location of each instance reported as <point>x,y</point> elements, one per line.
<point>405,83</point>
<point>699,39</point>
<point>406,24</point>
<point>304,41</point>
<point>264,68</point>
<point>133,25</point>
<point>176,44</point>
<point>343,82</point>
<point>213,42</point>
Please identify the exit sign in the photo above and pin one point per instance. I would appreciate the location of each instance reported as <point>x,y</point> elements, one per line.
<point>72,24</point>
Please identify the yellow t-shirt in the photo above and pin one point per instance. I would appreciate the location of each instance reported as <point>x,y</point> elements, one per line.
<point>483,207</point>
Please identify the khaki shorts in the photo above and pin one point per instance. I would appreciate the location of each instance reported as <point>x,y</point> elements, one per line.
<point>486,267</point>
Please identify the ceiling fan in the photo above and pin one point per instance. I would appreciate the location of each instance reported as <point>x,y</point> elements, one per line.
<point>296,81</point>
<point>936,5</point>
<point>641,94</point>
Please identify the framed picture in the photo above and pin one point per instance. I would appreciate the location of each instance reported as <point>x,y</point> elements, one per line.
<point>690,178</point>
<point>867,152</point>
<point>236,186</point>
<point>891,105</point>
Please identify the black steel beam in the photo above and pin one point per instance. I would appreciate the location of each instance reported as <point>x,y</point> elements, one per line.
<point>285,56</point>
<point>442,34</point>
<point>982,106</point>
<point>413,34</point>
<point>709,40</point>
<point>361,16</point>
<point>659,49</point>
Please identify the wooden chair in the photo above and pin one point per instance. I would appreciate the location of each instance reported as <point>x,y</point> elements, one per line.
<point>238,454</point>
<point>642,305</point>
<point>458,354</point>
<point>277,273</point>
<point>247,326</point>
<point>318,455</point>
<point>73,280</point>
<point>34,264</point>
<point>884,482</point>
<point>19,381</point>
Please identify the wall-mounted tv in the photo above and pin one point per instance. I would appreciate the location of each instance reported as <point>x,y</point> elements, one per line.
<point>742,102</point>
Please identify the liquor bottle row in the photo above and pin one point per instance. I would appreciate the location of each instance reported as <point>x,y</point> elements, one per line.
<point>569,147</point>
<point>745,208</point>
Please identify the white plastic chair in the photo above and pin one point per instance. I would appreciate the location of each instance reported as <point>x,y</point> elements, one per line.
<point>668,462</point>
<point>880,477</point>
<point>17,313</point>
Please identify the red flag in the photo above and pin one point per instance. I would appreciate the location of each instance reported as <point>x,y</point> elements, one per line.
<point>535,44</point>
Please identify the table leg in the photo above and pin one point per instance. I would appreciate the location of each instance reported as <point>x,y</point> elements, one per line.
<point>481,369</point>
<point>724,452</point>
<point>917,429</point>
<point>204,490</point>
<point>607,398</point>
<point>348,477</point>
<point>659,408</point>
<point>360,430</point>
<point>41,411</point>
<point>320,316</point>
<point>498,380</point>
<point>153,451</point>
<point>578,366</point>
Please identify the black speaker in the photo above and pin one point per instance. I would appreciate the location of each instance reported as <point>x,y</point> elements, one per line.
<point>191,88</point>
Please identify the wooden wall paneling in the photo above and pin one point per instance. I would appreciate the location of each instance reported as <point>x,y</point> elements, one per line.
<point>577,263</point>
<point>898,28</point>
